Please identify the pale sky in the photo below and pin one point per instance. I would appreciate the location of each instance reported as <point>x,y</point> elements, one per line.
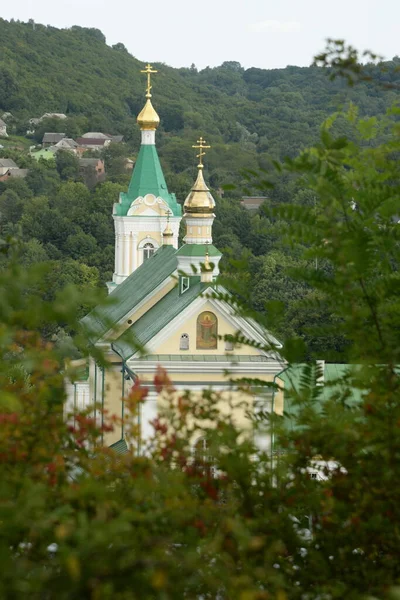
<point>256,33</point>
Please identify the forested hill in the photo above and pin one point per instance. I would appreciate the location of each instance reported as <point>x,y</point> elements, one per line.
<point>73,71</point>
<point>246,115</point>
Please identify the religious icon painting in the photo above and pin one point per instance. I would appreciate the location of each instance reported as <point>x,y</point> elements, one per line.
<point>207,331</point>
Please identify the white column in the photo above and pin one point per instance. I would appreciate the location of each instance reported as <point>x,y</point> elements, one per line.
<point>134,252</point>
<point>262,437</point>
<point>126,255</point>
<point>116,254</point>
<point>119,254</point>
<point>148,414</point>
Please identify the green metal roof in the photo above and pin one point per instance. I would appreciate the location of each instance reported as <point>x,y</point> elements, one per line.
<point>129,293</point>
<point>120,447</point>
<point>157,318</point>
<point>198,250</point>
<point>333,385</point>
<point>45,153</point>
<point>147,178</point>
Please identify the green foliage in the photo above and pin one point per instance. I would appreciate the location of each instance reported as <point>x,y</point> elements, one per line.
<point>226,520</point>
<point>67,165</point>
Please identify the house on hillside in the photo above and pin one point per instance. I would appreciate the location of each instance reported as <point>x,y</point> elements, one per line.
<point>50,116</point>
<point>96,135</point>
<point>14,173</point>
<point>7,164</point>
<point>3,129</point>
<point>66,144</point>
<point>33,122</point>
<point>50,139</point>
<point>95,144</point>
<point>92,170</point>
<point>252,203</point>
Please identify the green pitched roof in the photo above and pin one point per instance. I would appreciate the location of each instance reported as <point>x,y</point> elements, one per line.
<point>157,318</point>
<point>120,447</point>
<point>333,373</point>
<point>130,292</point>
<point>198,250</point>
<point>147,178</point>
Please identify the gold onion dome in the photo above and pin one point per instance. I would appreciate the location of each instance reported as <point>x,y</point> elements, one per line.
<point>168,231</point>
<point>148,119</point>
<point>199,200</point>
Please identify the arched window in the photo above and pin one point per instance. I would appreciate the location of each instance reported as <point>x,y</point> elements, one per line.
<point>207,331</point>
<point>148,250</point>
<point>184,345</point>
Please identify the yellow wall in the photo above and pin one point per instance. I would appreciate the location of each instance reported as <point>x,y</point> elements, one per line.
<point>113,401</point>
<point>159,209</point>
<point>171,345</point>
<point>230,404</point>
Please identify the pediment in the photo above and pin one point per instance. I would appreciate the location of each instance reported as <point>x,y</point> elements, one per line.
<point>198,325</point>
<point>148,205</point>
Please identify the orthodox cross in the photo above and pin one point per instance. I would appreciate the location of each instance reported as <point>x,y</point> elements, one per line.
<point>201,146</point>
<point>149,70</point>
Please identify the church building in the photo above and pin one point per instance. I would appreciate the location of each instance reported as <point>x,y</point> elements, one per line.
<point>163,308</point>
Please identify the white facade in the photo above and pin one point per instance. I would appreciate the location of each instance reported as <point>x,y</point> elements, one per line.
<point>140,231</point>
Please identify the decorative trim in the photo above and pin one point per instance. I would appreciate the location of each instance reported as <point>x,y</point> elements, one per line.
<point>266,368</point>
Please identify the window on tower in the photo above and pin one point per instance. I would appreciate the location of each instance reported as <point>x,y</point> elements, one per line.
<point>148,250</point>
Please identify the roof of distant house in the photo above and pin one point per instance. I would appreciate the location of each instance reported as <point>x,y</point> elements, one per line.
<point>8,162</point>
<point>46,153</point>
<point>52,138</point>
<point>66,143</point>
<point>96,135</point>
<point>252,202</point>
<point>116,138</point>
<point>89,162</point>
<point>19,173</point>
<point>92,141</point>
<point>53,116</point>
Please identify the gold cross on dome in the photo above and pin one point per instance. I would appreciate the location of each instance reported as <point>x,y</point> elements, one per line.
<point>201,146</point>
<point>149,70</point>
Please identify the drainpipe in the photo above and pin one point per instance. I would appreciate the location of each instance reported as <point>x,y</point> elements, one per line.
<point>102,406</point>
<point>133,376</point>
<point>74,404</point>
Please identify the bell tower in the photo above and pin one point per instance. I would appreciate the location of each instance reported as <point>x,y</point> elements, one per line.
<point>141,214</point>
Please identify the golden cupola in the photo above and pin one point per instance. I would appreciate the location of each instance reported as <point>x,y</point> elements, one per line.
<point>148,119</point>
<point>199,201</point>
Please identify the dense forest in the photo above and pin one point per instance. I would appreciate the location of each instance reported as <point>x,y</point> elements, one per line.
<point>250,117</point>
